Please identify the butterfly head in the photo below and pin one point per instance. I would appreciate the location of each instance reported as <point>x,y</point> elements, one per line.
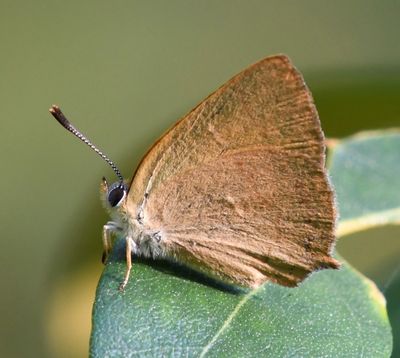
<point>113,195</point>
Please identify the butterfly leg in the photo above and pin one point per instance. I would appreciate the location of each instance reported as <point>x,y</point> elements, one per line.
<point>108,229</point>
<point>128,263</point>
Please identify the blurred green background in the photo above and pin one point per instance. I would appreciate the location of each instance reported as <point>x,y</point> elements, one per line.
<point>123,72</point>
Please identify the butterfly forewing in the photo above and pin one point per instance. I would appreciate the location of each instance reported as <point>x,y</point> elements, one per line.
<point>237,188</point>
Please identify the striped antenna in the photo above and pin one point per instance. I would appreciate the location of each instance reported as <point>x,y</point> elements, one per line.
<point>57,114</point>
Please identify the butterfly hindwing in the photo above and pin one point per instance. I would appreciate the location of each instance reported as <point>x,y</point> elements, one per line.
<point>237,188</point>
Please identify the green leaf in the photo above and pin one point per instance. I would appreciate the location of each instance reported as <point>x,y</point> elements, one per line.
<point>365,169</point>
<point>334,313</point>
<point>168,310</point>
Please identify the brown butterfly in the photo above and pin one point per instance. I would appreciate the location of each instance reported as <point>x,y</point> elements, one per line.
<point>236,189</point>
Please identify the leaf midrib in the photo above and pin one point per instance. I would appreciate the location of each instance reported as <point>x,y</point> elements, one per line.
<point>228,320</point>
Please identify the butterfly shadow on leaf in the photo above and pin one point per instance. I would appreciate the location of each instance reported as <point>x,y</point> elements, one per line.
<point>169,267</point>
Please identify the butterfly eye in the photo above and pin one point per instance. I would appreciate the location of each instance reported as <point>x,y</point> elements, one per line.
<point>115,195</point>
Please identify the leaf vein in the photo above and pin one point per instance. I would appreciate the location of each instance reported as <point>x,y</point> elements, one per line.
<point>228,320</point>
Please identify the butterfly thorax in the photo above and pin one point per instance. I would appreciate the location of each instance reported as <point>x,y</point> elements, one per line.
<point>144,242</point>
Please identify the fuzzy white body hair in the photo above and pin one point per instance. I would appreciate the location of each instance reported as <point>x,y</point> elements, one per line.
<point>144,242</point>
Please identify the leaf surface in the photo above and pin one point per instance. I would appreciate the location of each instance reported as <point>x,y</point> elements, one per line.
<point>365,171</point>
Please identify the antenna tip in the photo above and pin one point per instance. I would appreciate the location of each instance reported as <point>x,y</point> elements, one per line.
<point>54,109</point>
<point>59,115</point>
